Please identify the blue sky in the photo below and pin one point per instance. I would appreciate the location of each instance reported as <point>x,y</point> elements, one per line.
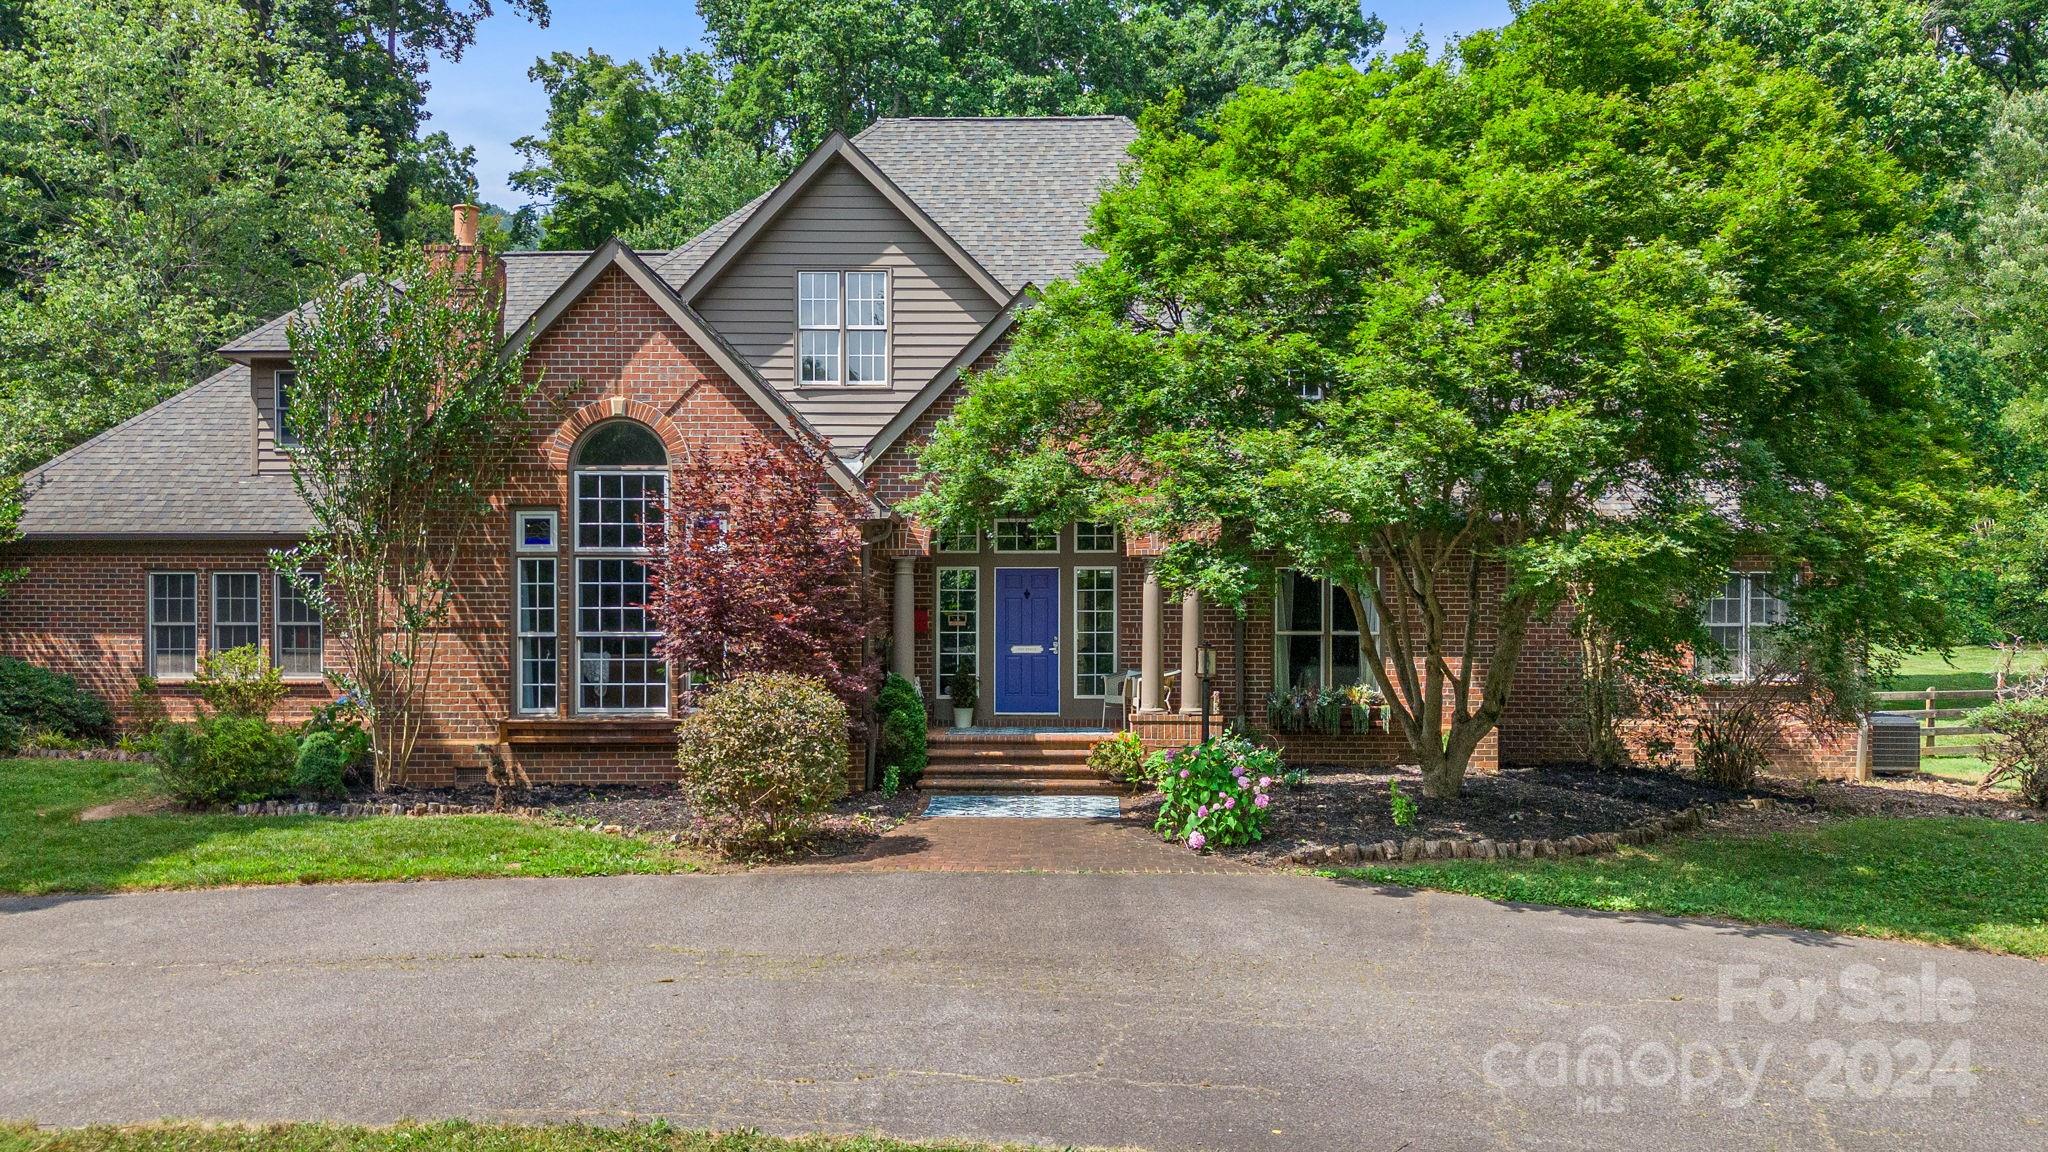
<point>487,102</point>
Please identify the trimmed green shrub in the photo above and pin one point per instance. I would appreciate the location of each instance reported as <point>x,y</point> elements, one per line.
<point>1121,758</point>
<point>239,682</point>
<point>900,749</point>
<point>44,701</point>
<point>322,769</point>
<point>762,756</point>
<point>223,759</point>
<point>342,718</point>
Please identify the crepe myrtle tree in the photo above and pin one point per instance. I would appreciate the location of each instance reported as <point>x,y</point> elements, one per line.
<point>757,568</point>
<point>1584,305</point>
<point>406,414</point>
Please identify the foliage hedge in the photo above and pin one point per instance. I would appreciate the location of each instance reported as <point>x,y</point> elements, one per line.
<point>900,750</point>
<point>225,759</point>
<point>762,756</point>
<point>44,701</point>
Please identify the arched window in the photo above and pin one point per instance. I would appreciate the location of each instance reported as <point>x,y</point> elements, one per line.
<point>619,472</point>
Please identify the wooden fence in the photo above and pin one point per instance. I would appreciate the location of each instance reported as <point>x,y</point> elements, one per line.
<point>1940,718</point>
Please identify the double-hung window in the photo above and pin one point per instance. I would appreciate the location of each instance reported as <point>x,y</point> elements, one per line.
<point>621,477</point>
<point>842,328</point>
<point>173,623</point>
<point>301,646</point>
<point>1739,619</point>
<point>237,610</point>
<point>1094,631</point>
<point>1317,643</point>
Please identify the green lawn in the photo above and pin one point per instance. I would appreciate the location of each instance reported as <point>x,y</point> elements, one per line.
<point>1967,881</point>
<point>44,848</point>
<point>452,1136</point>
<point>1965,668</point>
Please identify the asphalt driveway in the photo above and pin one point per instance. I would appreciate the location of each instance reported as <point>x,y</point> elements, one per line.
<point>1165,1011</point>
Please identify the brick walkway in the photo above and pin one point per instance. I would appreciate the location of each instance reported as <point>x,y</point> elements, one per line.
<point>957,844</point>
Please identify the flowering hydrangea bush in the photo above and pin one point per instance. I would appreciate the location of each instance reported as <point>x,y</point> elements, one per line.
<point>1217,794</point>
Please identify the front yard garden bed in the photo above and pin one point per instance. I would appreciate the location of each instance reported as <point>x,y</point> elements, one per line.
<point>1332,810</point>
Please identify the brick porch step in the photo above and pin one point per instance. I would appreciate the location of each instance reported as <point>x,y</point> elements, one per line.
<point>1012,761</point>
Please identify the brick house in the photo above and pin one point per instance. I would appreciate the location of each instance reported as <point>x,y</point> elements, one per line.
<point>839,308</point>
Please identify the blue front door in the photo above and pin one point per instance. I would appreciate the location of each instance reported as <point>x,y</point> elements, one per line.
<point>1028,640</point>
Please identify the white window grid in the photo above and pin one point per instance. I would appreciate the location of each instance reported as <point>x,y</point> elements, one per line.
<point>1738,618</point>
<point>963,540</point>
<point>867,327</point>
<point>1095,632</point>
<point>173,623</point>
<point>614,506</point>
<point>301,644</point>
<point>617,668</point>
<point>237,610</point>
<point>1094,536</point>
<point>958,627</point>
<point>818,322</point>
<point>1024,536</point>
<point>1333,640</point>
<point>537,626</point>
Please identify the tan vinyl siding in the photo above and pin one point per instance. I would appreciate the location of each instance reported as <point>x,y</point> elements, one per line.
<point>262,387</point>
<point>840,223</point>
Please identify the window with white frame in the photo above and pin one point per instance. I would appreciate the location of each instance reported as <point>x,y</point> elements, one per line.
<point>1094,631</point>
<point>237,610</point>
<point>301,646</point>
<point>1317,643</point>
<point>1739,619</point>
<point>1025,536</point>
<point>959,540</point>
<point>842,327</point>
<point>282,383</point>
<point>959,630</point>
<point>537,626</point>
<point>173,623</point>
<point>1094,536</point>
<point>620,476</point>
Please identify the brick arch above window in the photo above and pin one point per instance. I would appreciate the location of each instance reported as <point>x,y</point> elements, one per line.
<point>562,445</point>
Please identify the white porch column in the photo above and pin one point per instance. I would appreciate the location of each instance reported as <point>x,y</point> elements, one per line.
<point>1151,643</point>
<point>903,632</point>
<point>1190,643</point>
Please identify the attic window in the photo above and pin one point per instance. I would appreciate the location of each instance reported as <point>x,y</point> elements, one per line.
<point>283,381</point>
<point>842,322</point>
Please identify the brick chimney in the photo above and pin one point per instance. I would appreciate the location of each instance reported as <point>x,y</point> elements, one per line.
<point>467,217</point>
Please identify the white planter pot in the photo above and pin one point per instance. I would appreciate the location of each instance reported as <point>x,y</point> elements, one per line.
<point>963,717</point>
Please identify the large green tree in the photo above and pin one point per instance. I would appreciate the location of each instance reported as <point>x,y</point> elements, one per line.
<point>656,151</point>
<point>1593,301</point>
<point>170,178</point>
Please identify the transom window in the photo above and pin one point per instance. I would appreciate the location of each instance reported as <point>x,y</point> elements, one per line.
<point>173,623</point>
<point>959,630</point>
<point>237,610</point>
<point>1739,621</point>
<point>1094,536</point>
<point>301,648</point>
<point>842,321</point>
<point>959,540</point>
<point>1317,644</point>
<point>1094,631</point>
<point>620,479</point>
<point>1025,536</point>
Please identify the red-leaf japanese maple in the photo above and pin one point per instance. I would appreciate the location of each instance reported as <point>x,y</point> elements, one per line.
<point>756,568</point>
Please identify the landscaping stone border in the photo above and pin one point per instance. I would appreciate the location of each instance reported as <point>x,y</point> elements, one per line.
<point>1416,848</point>
<point>117,755</point>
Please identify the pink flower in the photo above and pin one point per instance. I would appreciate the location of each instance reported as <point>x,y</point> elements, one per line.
<point>1263,800</point>
<point>1183,773</point>
<point>1230,801</point>
<point>1201,811</point>
<point>1265,782</point>
<point>1196,840</point>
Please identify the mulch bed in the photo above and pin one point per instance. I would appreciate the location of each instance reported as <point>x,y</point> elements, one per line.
<point>1340,806</point>
<point>660,812</point>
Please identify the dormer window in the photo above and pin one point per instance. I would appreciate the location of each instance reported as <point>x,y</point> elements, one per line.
<point>281,383</point>
<point>842,321</point>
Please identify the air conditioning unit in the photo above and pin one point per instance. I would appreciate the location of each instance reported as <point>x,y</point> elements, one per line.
<point>1894,743</point>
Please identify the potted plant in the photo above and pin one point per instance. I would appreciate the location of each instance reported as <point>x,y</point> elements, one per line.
<point>965,693</point>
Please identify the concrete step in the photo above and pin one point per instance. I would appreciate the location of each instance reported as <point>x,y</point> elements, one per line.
<point>1033,784</point>
<point>1007,768</point>
<point>959,754</point>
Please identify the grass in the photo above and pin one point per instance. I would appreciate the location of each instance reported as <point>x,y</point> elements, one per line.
<point>1965,668</point>
<point>450,1136</point>
<point>1971,882</point>
<point>44,848</point>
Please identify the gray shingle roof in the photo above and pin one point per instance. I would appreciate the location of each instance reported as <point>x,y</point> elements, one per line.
<point>185,468</point>
<point>1014,191</point>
